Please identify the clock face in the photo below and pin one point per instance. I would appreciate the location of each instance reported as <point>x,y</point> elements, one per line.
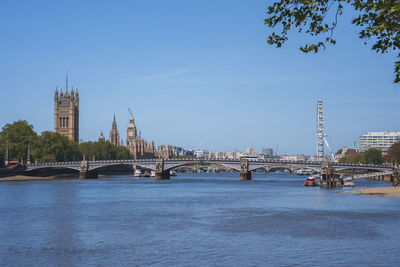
<point>130,133</point>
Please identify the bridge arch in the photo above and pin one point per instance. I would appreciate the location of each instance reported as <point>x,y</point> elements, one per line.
<point>52,170</point>
<point>367,168</point>
<point>289,166</point>
<point>231,165</point>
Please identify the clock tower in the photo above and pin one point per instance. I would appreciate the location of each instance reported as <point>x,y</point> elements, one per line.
<point>131,133</point>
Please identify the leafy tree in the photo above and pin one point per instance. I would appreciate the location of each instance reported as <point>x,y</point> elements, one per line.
<point>379,20</point>
<point>103,150</point>
<point>352,158</point>
<point>18,135</point>
<point>373,156</point>
<point>393,154</point>
<point>52,146</point>
<point>123,152</point>
<point>2,159</point>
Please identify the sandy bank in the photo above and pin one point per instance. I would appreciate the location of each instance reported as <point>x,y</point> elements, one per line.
<point>32,178</point>
<point>377,191</point>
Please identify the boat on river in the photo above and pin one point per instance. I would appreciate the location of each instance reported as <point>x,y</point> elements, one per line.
<point>137,173</point>
<point>311,181</point>
<point>146,174</point>
<point>173,173</point>
<point>348,182</point>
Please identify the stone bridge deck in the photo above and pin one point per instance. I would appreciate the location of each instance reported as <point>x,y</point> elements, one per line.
<point>243,165</point>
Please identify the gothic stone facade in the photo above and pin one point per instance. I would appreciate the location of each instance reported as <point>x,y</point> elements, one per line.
<point>66,114</point>
<point>138,147</point>
<point>114,135</point>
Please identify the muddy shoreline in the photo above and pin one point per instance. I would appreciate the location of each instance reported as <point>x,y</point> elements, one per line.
<point>377,191</point>
<point>34,178</point>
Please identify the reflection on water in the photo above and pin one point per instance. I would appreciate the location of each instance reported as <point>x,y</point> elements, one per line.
<point>203,219</point>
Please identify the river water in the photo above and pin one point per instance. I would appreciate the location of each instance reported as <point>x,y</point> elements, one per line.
<point>195,220</point>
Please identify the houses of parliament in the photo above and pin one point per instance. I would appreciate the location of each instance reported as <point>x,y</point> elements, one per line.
<point>66,122</point>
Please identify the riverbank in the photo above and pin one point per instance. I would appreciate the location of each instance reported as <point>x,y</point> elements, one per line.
<point>377,191</point>
<point>32,178</point>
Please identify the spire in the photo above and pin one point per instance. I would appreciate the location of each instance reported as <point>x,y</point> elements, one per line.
<point>72,91</point>
<point>76,92</point>
<point>56,92</point>
<point>131,121</point>
<point>114,124</point>
<point>66,81</point>
<point>61,93</point>
<point>114,135</point>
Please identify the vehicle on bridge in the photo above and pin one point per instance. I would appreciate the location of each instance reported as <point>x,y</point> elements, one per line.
<point>14,165</point>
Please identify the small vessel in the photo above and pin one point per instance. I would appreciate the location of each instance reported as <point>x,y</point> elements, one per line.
<point>137,173</point>
<point>348,182</point>
<point>146,174</point>
<point>173,173</point>
<point>310,181</point>
<point>153,174</point>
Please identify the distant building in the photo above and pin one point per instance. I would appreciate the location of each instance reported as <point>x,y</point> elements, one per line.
<point>66,114</point>
<point>138,147</point>
<point>344,151</point>
<point>250,151</point>
<point>114,135</point>
<point>378,140</point>
<point>268,152</point>
<point>313,158</point>
<point>101,137</point>
<point>201,153</point>
<point>294,157</point>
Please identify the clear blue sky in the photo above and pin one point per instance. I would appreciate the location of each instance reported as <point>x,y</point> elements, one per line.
<point>196,74</point>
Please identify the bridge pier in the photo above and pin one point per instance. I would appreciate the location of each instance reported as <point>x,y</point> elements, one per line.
<point>164,175</point>
<point>195,168</point>
<point>84,172</point>
<point>245,174</point>
<point>161,174</point>
<point>88,175</point>
<point>395,179</point>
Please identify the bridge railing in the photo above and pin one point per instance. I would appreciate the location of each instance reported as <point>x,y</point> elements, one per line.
<point>277,161</point>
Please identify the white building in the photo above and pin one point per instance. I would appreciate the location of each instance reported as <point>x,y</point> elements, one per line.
<point>379,140</point>
<point>250,151</point>
<point>268,152</point>
<point>201,153</point>
<point>293,157</point>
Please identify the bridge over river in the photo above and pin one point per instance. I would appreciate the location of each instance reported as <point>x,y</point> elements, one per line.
<point>162,167</point>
